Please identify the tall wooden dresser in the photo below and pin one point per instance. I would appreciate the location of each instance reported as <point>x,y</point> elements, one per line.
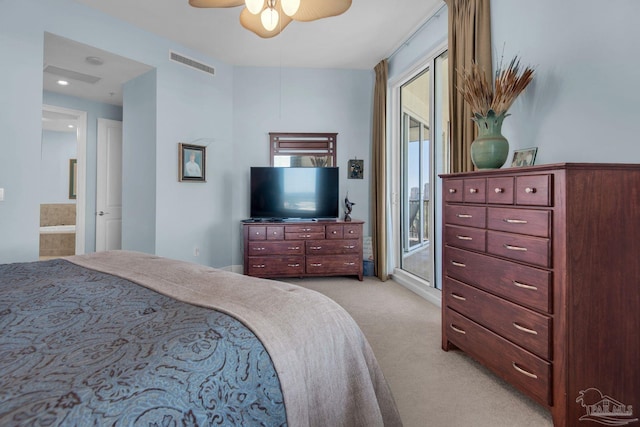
<point>299,249</point>
<point>541,271</point>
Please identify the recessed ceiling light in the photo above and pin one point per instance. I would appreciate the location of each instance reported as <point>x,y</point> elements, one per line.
<point>63,82</point>
<point>70,126</point>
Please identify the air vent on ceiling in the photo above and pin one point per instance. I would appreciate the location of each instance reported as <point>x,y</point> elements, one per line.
<point>192,63</point>
<point>72,75</point>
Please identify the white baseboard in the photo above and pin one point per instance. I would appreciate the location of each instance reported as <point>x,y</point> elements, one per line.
<point>434,296</point>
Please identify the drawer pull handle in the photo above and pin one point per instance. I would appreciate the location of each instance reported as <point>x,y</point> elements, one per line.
<point>349,263</point>
<point>294,248</point>
<point>530,190</point>
<point>523,329</point>
<point>458,330</point>
<point>259,249</point>
<point>452,190</point>
<point>515,248</point>
<point>458,264</point>
<point>515,221</point>
<point>351,231</point>
<point>315,248</point>
<point>258,266</point>
<point>334,232</point>
<point>499,190</point>
<point>464,216</point>
<point>305,229</point>
<point>349,246</point>
<point>464,237</point>
<point>293,265</point>
<point>473,190</point>
<point>305,236</point>
<point>458,297</point>
<point>522,371</point>
<point>523,286</point>
<point>316,265</point>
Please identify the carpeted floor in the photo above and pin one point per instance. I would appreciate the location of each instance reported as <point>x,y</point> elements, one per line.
<point>431,387</point>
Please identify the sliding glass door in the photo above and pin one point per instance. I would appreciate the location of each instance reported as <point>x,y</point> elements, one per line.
<point>423,152</point>
<point>416,159</point>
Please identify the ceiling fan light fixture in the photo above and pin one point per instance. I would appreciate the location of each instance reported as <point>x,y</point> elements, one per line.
<point>269,18</point>
<point>254,6</point>
<point>290,7</point>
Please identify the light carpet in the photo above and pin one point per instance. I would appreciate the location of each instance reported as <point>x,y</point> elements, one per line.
<point>431,387</point>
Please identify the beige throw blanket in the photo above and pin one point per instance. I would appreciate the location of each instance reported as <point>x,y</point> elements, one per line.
<point>327,370</point>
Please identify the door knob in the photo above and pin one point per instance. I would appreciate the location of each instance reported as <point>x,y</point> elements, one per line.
<point>101,213</point>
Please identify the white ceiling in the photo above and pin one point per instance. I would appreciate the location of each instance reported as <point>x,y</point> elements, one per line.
<point>70,55</point>
<point>358,39</point>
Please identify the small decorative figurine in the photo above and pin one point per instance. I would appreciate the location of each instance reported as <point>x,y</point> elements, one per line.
<point>348,204</point>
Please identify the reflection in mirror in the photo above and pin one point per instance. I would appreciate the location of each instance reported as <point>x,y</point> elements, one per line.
<point>305,160</point>
<point>303,149</point>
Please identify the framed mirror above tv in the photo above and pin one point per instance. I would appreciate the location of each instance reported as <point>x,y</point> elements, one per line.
<point>303,149</point>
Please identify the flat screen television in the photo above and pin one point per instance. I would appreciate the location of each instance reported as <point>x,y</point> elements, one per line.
<point>294,193</point>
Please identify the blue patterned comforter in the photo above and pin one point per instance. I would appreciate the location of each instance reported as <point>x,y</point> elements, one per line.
<point>80,347</point>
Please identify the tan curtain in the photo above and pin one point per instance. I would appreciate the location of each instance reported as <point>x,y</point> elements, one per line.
<point>469,41</point>
<point>379,173</point>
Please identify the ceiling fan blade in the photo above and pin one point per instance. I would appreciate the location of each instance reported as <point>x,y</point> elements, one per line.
<point>252,23</point>
<point>216,3</point>
<point>310,10</point>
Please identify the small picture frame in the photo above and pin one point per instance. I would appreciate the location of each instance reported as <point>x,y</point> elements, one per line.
<point>355,169</point>
<point>524,157</point>
<point>192,163</point>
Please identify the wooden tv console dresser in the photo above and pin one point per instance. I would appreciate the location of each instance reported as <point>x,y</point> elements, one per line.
<point>541,272</point>
<point>301,249</point>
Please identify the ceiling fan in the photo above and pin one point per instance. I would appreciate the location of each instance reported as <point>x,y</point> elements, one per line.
<point>267,18</point>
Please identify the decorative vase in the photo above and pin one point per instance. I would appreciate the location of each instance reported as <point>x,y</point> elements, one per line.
<point>490,149</point>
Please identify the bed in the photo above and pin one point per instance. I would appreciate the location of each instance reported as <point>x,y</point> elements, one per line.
<point>124,338</point>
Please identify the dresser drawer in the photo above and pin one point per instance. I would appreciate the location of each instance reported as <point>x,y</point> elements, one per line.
<point>475,190</point>
<point>519,283</point>
<point>520,325</point>
<point>334,232</point>
<point>303,235</point>
<point>345,264</point>
<point>522,221</point>
<point>275,248</point>
<point>533,250</point>
<point>275,232</point>
<point>257,232</point>
<point>352,231</point>
<point>500,190</point>
<point>470,216</point>
<point>517,366</point>
<point>333,247</point>
<point>276,266</point>
<point>465,237</point>
<point>304,228</point>
<point>452,190</point>
<point>534,190</point>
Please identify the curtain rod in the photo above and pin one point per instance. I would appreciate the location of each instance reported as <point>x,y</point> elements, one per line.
<point>414,33</point>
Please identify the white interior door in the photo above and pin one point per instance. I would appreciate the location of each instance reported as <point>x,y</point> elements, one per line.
<point>109,186</point>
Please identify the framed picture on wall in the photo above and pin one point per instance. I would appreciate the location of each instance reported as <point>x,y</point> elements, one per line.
<point>73,174</point>
<point>524,157</point>
<point>191,163</point>
<point>355,169</point>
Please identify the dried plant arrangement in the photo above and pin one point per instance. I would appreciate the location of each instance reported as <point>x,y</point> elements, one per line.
<point>483,96</point>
